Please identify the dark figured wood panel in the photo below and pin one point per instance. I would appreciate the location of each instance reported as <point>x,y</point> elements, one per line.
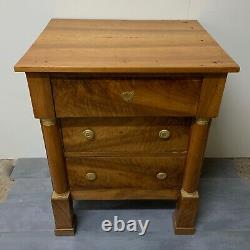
<point>125,172</point>
<point>104,97</point>
<point>125,46</point>
<point>125,135</point>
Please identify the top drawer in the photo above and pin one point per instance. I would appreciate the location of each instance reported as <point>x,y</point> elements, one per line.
<point>126,97</point>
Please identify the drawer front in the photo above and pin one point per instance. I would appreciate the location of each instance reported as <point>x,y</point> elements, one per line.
<point>125,172</point>
<point>120,97</point>
<point>126,135</point>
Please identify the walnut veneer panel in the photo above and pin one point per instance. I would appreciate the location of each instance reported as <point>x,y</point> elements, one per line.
<point>125,172</point>
<point>125,135</point>
<point>105,97</point>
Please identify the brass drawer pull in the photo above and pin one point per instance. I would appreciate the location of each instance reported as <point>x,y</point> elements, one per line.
<point>89,134</point>
<point>90,176</point>
<point>161,176</point>
<point>164,134</point>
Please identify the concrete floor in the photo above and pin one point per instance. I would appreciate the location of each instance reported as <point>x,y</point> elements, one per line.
<point>26,221</point>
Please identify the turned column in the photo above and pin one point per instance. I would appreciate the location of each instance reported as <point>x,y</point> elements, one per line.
<point>197,145</point>
<point>187,204</point>
<point>55,156</point>
<point>43,108</point>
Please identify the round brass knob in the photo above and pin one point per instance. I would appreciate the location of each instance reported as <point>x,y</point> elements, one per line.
<point>164,134</point>
<point>90,176</point>
<point>89,134</point>
<point>161,176</point>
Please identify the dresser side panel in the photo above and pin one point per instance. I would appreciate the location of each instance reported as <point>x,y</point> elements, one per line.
<point>211,95</point>
<point>41,95</point>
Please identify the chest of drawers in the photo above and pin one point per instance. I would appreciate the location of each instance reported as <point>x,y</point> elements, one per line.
<point>125,109</point>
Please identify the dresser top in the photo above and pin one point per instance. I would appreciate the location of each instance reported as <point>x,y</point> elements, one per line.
<point>122,46</point>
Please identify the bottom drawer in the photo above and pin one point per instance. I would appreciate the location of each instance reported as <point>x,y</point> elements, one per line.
<point>124,172</point>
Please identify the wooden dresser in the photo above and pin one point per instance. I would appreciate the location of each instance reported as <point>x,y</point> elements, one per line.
<point>125,108</point>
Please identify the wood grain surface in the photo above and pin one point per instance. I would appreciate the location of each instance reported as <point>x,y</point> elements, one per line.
<point>56,160</point>
<point>41,95</point>
<point>211,94</point>
<point>125,172</point>
<point>193,165</point>
<point>125,194</point>
<point>103,97</point>
<point>125,46</point>
<point>62,207</point>
<point>185,214</point>
<point>125,135</point>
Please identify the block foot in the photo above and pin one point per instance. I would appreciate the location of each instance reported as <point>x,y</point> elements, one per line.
<point>66,231</point>
<point>182,230</point>
<point>65,220</point>
<point>185,213</point>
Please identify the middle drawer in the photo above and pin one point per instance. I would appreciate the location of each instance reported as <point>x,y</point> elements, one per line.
<point>125,135</point>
